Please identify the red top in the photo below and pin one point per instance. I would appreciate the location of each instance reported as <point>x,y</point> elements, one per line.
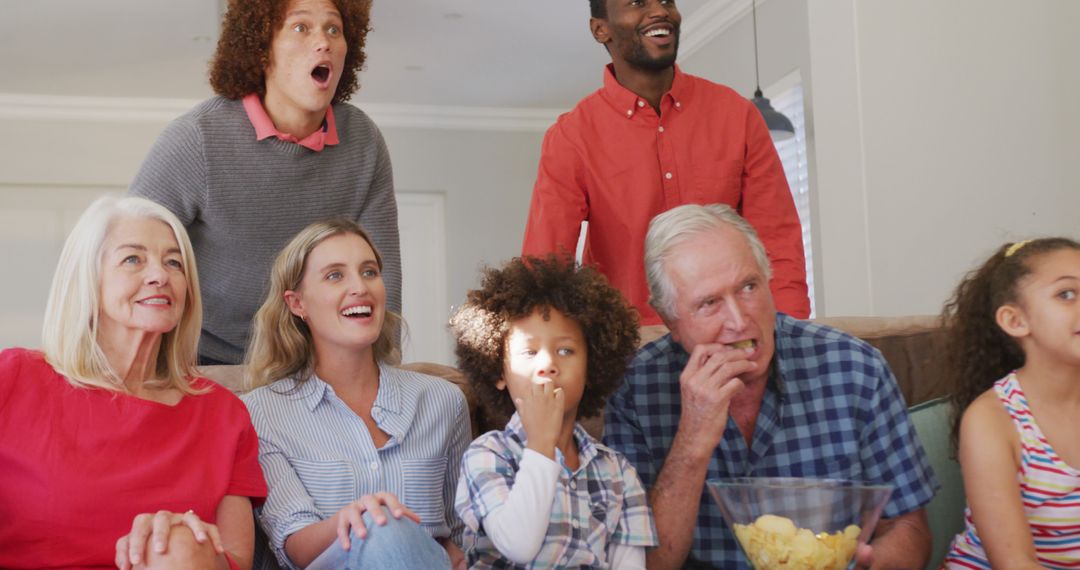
<point>614,162</point>
<point>264,126</point>
<point>77,464</point>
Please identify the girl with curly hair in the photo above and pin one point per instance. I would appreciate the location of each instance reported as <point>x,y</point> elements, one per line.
<point>1014,345</point>
<point>550,340</point>
<point>277,149</point>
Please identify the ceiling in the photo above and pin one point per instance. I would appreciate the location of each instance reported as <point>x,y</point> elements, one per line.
<point>467,53</point>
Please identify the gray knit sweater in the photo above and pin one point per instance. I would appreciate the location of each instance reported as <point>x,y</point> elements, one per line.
<point>242,200</point>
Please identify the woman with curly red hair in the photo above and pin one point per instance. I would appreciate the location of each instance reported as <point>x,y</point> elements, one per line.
<point>277,149</point>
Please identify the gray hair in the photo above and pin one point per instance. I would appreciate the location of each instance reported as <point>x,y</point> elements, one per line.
<point>69,330</point>
<point>679,224</point>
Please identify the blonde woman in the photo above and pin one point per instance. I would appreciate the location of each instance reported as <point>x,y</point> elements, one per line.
<point>112,451</point>
<point>361,458</point>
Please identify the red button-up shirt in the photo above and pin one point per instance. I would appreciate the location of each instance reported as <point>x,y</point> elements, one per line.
<point>614,162</point>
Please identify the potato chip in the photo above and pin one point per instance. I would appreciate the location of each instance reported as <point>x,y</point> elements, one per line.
<point>775,542</point>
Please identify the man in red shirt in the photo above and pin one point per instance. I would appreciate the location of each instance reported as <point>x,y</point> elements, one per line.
<point>650,139</point>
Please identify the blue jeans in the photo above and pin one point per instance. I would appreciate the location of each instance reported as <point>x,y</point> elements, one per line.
<point>400,544</point>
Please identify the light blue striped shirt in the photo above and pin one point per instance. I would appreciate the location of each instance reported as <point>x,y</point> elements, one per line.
<point>318,455</point>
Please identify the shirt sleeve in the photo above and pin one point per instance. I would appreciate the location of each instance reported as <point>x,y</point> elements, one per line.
<point>288,507</point>
<point>173,174</point>
<point>518,525</point>
<point>636,526</point>
<point>379,216</point>
<point>459,442</point>
<point>768,206</point>
<point>559,199</point>
<point>623,433</point>
<point>626,557</point>
<point>890,451</point>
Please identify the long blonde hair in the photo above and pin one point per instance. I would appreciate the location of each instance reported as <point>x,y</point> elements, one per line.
<point>281,342</point>
<point>69,333</point>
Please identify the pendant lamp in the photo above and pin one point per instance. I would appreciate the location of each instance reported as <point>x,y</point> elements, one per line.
<point>780,127</point>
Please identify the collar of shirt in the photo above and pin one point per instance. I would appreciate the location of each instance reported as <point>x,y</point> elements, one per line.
<point>386,410</point>
<point>264,126</point>
<point>586,446</point>
<point>628,103</point>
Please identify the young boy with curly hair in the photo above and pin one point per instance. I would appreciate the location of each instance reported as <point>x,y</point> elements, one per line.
<point>550,340</point>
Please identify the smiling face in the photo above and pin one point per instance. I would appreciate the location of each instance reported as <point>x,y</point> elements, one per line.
<point>143,278</point>
<point>341,295</point>
<point>307,56</point>
<point>721,296</point>
<point>1046,317</point>
<point>642,34</point>
<point>542,350</point>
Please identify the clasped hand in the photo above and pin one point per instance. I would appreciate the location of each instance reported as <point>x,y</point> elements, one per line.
<point>154,528</point>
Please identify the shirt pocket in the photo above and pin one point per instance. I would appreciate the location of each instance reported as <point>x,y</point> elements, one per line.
<point>424,481</point>
<point>331,484</point>
<point>718,181</point>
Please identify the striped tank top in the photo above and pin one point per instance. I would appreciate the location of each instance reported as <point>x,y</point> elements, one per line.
<point>1049,487</point>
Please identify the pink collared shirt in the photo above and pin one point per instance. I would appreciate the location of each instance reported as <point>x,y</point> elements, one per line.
<point>264,127</point>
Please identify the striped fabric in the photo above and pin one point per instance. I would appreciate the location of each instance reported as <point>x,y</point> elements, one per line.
<point>600,504</point>
<point>318,455</point>
<point>1050,489</point>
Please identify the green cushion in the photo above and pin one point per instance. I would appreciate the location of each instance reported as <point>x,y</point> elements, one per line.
<point>946,511</point>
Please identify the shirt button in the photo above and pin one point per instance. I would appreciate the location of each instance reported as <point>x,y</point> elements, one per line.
<point>678,104</point>
<point>573,484</point>
<point>661,129</point>
<point>575,523</point>
<point>374,465</point>
<point>667,175</point>
<point>640,103</point>
<point>629,112</point>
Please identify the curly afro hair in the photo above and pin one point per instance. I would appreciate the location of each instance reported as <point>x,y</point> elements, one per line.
<point>243,51</point>
<point>977,352</point>
<point>525,285</point>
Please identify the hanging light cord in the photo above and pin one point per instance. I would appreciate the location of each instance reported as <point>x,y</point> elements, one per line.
<point>757,80</point>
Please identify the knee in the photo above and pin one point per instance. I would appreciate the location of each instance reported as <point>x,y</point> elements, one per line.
<point>183,551</point>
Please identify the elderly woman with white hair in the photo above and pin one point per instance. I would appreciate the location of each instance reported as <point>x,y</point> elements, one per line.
<point>113,452</point>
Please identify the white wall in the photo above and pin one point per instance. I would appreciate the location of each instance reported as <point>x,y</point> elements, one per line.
<point>937,131</point>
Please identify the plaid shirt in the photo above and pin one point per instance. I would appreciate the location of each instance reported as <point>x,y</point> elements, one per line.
<point>601,503</point>
<point>832,410</point>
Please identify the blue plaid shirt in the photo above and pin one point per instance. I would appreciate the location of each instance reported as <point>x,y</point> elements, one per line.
<point>832,410</point>
<point>600,504</point>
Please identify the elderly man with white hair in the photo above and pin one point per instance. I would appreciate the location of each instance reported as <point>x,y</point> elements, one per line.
<point>737,389</point>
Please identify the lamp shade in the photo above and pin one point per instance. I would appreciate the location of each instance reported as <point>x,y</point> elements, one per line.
<point>780,127</point>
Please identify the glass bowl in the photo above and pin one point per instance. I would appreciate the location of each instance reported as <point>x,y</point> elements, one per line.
<point>803,524</point>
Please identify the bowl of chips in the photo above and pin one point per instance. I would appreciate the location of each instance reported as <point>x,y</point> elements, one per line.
<point>799,524</point>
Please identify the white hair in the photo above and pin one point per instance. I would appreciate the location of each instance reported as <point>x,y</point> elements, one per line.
<point>69,332</point>
<point>677,225</point>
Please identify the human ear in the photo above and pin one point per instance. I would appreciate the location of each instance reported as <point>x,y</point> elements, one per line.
<point>295,303</point>
<point>599,29</point>
<point>1012,320</point>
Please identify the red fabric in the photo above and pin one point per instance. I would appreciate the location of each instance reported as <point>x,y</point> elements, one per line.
<point>264,126</point>
<point>606,161</point>
<point>77,465</point>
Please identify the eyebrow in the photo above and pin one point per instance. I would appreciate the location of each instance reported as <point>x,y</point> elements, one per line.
<point>338,264</point>
<point>140,247</point>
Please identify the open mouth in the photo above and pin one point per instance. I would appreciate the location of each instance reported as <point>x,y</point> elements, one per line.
<point>357,312</point>
<point>155,301</point>
<point>658,33</point>
<point>743,344</point>
<point>321,74</point>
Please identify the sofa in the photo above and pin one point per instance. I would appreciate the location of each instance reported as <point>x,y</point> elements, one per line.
<point>908,344</point>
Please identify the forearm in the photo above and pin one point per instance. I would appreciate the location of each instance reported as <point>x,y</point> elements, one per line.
<point>518,527</point>
<point>903,542</point>
<point>675,500</point>
<point>306,544</point>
